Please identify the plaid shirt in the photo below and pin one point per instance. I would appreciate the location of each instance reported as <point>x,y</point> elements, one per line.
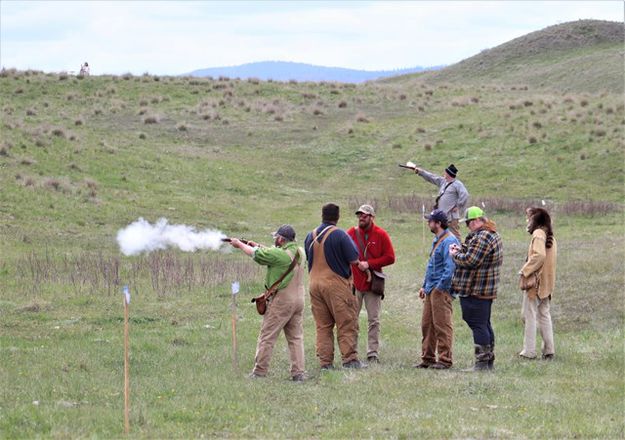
<point>478,264</point>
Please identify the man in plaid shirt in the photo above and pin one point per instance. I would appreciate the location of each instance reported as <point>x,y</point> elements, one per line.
<point>476,279</point>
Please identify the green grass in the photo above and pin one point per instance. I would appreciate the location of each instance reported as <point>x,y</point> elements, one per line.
<point>61,340</point>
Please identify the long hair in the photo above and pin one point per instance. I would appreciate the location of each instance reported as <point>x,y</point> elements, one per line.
<point>540,218</point>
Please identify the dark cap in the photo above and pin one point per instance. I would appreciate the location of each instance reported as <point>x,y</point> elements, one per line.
<point>451,170</point>
<point>285,231</point>
<point>437,215</point>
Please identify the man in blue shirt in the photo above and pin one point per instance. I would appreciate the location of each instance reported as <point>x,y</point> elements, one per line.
<point>437,325</point>
<point>330,253</point>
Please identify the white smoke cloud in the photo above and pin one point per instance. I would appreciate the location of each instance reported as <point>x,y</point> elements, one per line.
<point>141,236</point>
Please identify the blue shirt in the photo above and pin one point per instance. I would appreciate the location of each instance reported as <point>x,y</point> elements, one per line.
<point>441,266</point>
<point>339,250</point>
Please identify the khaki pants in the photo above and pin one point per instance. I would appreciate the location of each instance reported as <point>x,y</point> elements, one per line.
<point>437,328</point>
<point>373,304</point>
<point>536,312</point>
<point>284,312</point>
<point>454,228</point>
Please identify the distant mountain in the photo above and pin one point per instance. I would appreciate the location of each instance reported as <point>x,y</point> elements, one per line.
<point>583,56</point>
<point>286,71</point>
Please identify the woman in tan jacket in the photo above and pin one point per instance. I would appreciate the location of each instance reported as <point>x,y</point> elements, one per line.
<point>541,262</point>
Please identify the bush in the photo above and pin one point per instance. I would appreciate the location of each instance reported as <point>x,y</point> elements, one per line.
<point>151,119</point>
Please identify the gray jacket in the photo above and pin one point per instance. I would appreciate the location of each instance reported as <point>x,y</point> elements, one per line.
<point>455,196</point>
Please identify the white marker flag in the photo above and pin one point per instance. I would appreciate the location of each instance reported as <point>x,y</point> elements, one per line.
<point>127,294</point>
<point>235,287</point>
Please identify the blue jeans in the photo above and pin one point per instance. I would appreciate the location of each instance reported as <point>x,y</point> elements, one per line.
<point>476,313</point>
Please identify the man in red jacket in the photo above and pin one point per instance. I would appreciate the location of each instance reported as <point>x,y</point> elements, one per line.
<point>375,251</point>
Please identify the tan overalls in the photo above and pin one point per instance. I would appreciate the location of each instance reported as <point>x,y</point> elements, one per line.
<point>332,303</point>
<point>285,311</point>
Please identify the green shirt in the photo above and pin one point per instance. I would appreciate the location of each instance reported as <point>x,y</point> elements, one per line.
<point>277,261</point>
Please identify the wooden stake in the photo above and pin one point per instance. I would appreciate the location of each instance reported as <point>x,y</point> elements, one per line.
<point>126,363</point>
<point>235,357</point>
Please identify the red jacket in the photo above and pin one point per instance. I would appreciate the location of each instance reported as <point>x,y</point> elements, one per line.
<point>380,253</point>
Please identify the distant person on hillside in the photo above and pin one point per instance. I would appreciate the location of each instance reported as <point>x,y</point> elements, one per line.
<point>452,195</point>
<point>437,325</point>
<point>331,252</point>
<point>476,280</point>
<point>538,276</point>
<point>285,310</point>
<point>84,69</point>
<point>375,251</point>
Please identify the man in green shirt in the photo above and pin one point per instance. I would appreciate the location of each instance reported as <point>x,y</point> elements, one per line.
<point>285,310</point>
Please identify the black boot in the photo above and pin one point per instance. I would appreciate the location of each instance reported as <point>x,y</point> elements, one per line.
<point>482,357</point>
<point>491,361</point>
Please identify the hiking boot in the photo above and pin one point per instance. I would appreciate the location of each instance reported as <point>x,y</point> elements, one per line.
<point>422,365</point>
<point>524,356</point>
<point>327,367</point>
<point>298,377</point>
<point>548,357</point>
<point>491,361</point>
<point>373,359</point>
<point>355,364</point>
<point>439,366</point>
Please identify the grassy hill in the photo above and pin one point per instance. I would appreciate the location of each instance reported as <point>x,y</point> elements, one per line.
<point>585,55</point>
<point>82,158</point>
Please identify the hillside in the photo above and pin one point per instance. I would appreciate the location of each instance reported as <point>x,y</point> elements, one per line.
<point>81,158</point>
<point>289,71</point>
<point>585,55</point>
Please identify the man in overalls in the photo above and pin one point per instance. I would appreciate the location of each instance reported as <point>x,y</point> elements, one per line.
<point>286,308</point>
<point>330,253</point>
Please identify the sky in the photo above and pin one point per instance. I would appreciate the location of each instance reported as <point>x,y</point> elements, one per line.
<point>169,38</point>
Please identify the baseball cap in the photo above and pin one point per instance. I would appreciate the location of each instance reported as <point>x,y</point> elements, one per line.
<point>437,215</point>
<point>366,209</point>
<point>285,231</point>
<point>472,213</point>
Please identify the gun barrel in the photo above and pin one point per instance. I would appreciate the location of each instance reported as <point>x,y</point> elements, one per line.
<point>405,166</point>
<point>229,240</point>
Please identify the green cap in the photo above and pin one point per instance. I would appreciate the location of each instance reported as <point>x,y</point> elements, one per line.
<point>472,213</point>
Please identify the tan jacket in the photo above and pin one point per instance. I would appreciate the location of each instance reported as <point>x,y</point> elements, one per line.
<point>543,260</point>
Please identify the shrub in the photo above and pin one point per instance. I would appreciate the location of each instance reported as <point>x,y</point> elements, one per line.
<point>402,97</point>
<point>79,121</point>
<point>317,112</point>
<point>342,104</point>
<point>427,147</point>
<point>31,112</point>
<point>151,119</point>
<point>142,136</point>
<point>27,161</point>
<point>537,124</point>
<point>532,140</point>
<point>360,117</point>
<point>182,127</point>
<point>58,132</point>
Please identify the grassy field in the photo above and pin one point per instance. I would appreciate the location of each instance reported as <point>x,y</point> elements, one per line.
<point>81,159</point>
